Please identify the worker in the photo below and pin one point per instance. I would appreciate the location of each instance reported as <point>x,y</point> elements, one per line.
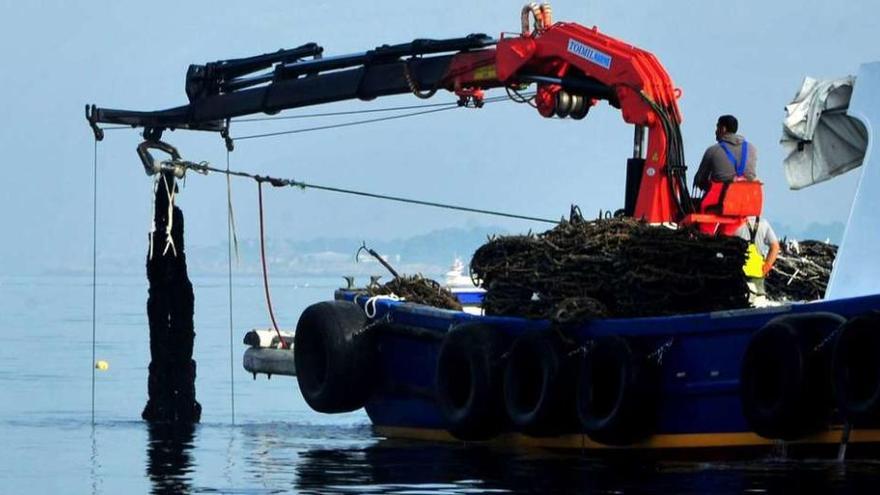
<point>763,249</point>
<point>731,157</point>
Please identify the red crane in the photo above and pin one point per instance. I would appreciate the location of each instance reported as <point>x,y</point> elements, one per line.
<point>573,67</point>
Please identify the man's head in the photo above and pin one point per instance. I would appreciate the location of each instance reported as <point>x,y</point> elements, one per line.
<point>727,124</point>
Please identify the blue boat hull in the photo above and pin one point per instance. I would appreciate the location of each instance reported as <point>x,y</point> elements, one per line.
<point>700,406</point>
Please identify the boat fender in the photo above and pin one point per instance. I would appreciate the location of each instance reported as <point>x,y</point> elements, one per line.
<point>468,381</point>
<point>855,370</point>
<point>617,391</point>
<point>334,357</point>
<point>785,389</point>
<point>538,384</point>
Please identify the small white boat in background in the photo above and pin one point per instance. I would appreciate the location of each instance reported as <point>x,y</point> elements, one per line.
<point>462,286</point>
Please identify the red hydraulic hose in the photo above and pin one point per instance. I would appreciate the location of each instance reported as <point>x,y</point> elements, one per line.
<point>265,270</point>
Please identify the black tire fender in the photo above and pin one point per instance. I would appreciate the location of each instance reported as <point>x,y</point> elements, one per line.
<point>855,369</point>
<point>468,381</point>
<point>334,357</point>
<point>617,392</point>
<point>538,385</point>
<point>785,389</point>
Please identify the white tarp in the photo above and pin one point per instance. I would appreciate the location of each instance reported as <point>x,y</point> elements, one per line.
<point>820,139</point>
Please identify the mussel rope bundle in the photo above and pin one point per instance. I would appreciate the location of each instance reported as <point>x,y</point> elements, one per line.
<point>418,289</point>
<point>170,306</point>
<point>801,271</point>
<point>614,267</point>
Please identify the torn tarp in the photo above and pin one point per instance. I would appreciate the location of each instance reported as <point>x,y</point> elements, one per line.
<point>820,139</point>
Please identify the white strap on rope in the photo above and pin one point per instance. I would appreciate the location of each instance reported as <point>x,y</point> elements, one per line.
<point>169,241</point>
<point>370,305</point>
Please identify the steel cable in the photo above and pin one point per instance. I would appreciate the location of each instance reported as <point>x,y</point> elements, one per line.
<point>439,108</point>
<point>204,168</point>
<point>94,270</point>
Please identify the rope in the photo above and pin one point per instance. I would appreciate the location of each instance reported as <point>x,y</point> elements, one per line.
<point>229,229</point>
<point>421,202</point>
<point>231,213</point>
<point>94,269</point>
<point>344,124</point>
<point>370,305</point>
<point>343,113</point>
<point>441,108</point>
<point>265,270</point>
<point>204,168</point>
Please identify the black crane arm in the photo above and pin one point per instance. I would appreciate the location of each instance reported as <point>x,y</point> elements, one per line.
<point>230,88</point>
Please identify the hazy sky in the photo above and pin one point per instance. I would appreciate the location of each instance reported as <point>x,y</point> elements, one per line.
<point>746,57</point>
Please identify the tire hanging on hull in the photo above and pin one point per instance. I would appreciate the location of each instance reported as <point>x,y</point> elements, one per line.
<point>468,381</point>
<point>855,370</point>
<point>784,380</point>
<point>617,392</point>
<point>334,357</point>
<point>538,384</point>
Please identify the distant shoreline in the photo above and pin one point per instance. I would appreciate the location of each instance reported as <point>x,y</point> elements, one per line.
<point>429,254</point>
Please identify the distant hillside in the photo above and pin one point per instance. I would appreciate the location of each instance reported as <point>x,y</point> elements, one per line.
<point>430,253</point>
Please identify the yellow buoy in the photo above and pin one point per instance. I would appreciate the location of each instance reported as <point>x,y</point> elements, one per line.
<point>102,365</point>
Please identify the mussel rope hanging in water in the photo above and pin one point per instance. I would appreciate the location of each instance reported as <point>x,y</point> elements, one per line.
<point>265,270</point>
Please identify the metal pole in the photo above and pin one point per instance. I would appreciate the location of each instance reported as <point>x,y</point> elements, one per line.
<point>638,141</point>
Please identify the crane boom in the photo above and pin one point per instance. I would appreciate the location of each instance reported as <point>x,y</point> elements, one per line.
<point>573,67</point>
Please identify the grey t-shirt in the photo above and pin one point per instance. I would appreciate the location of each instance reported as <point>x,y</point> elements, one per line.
<point>764,236</point>
<point>716,165</point>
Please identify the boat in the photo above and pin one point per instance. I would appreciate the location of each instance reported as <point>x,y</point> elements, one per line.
<point>462,286</point>
<point>801,375</point>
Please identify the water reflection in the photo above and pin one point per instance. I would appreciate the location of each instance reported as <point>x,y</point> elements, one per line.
<point>281,457</point>
<point>94,462</point>
<point>169,458</point>
<point>395,467</point>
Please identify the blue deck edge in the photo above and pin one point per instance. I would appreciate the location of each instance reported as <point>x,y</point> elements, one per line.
<point>700,372</point>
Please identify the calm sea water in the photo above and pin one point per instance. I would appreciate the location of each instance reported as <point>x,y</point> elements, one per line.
<point>276,444</point>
